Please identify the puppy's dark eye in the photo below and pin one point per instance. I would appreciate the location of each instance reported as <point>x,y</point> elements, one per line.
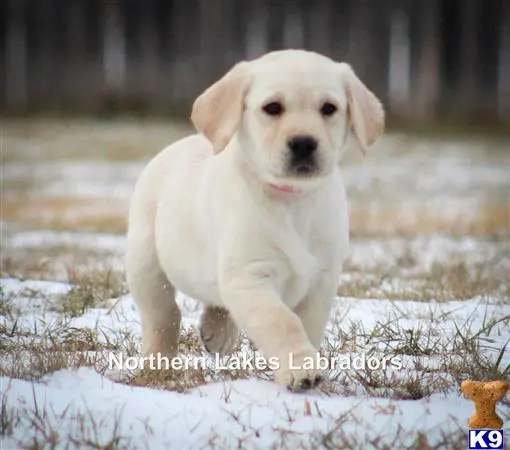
<point>273,109</point>
<point>328,109</point>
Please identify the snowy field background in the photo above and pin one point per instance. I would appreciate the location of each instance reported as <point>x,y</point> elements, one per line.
<point>427,280</point>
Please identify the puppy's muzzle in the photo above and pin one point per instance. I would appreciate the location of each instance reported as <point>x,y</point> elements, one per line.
<point>303,151</point>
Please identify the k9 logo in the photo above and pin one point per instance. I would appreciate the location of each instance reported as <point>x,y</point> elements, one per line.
<point>485,439</point>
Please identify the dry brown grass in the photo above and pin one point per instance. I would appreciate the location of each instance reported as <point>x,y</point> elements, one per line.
<point>47,139</point>
<point>90,288</point>
<point>456,279</point>
<point>67,213</point>
<point>51,262</point>
<point>434,361</point>
<point>110,215</point>
<point>492,220</point>
<point>35,352</point>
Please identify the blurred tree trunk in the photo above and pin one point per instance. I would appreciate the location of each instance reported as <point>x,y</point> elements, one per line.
<point>149,51</point>
<point>380,37</point>
<point>293,25</point>
<point>276,23</point>
<point>359,36</point>
<point>16,96</point>
<point>339,31</point>
<point>114,49</point>
<point>76,62</point>
<point>184,48</point>
<point>319,26</point>
<point>504,63</point>
<point>256,42</point>
<point>211,29</point>
<point>42,73</point>
<point>468,61</point>
<point>427,68</point>
<point>399,62</point>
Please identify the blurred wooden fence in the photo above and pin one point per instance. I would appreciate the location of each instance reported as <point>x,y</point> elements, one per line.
<point>424,58</point>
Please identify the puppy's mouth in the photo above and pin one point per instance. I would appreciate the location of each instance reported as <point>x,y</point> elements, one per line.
<point>299,175</point>
<point>303,166</point>
<point>297,179</point>
<point>304,169</point>
<point>284,188</point>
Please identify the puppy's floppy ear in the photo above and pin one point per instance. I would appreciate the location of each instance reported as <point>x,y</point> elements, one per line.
<point>365,110</point>
<point>217,111</point>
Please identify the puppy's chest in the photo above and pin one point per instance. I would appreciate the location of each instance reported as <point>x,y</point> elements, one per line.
<point>295,289</point>
<point>306,257</point>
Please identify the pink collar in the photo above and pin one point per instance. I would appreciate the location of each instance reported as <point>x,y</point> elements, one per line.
<point>285,188</point>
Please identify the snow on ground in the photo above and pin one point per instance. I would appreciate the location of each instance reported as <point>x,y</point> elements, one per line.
<point>113,243</point>
<point>250,413</point>
<point>256,413</point>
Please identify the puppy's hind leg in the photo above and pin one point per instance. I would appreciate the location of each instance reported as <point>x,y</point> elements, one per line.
<point>154,295</point>
<point>218,331</point>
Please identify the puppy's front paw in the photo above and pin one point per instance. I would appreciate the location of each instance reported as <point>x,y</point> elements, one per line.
<point>299,380</point>
<point>299,376</point>
<point>218,331</point>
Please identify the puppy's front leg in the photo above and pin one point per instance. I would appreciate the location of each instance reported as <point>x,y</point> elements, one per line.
<point>277,331</point>
<point>314,310</point>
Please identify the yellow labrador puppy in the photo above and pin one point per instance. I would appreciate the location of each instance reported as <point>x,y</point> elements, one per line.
<point>249,216</point>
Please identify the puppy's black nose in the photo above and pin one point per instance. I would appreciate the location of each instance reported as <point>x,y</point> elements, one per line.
<point>302,146</point>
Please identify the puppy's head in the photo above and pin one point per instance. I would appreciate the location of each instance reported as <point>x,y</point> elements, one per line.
<point>291,111</point>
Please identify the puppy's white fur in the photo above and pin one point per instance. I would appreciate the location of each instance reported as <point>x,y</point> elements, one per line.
<point>219,216</point>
